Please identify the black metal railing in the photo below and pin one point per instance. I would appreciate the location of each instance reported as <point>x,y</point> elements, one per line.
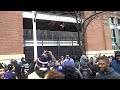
<point>47,35</point>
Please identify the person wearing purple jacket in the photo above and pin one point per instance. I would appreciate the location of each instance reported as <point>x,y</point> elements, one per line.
<point>10,74</point>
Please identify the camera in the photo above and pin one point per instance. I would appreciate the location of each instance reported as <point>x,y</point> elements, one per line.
<point>67,56</point>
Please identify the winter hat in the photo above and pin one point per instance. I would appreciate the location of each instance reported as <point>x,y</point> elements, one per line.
<point>14,62</point>
<point>83,58</point>
<point>84,61</point>
<point>43,60</point>
<point>59,68</point>
<point>117,53</point>
<point>68,63</point>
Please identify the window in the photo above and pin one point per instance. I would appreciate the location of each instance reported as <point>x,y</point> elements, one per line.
<point>112,20</point>
<point>119,21</point>
<point>119,33</point>
<point>113,47</point>
<point>113,32</point>
<point>113,35</point>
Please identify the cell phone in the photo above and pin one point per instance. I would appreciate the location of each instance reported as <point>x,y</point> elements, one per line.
<point>47,52</point>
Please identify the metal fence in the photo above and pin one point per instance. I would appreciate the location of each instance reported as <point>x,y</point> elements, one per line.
<point>47,35</point>
<point>59,42</point>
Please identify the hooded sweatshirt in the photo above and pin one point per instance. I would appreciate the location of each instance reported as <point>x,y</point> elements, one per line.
<point>84,62</point>
<point>115,65</point>
<point>109,74</point>
<point>84,67</point>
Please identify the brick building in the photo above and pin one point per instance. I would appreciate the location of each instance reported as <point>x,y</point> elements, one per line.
<point>98,39</point>
<point>11,35</point>
<point>103,35</point>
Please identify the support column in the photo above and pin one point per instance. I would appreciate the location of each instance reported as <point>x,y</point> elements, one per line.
<point>34,34</point>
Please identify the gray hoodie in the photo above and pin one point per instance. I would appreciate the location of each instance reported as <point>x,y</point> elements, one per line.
<point>84,62</point>
<point>109,74</point>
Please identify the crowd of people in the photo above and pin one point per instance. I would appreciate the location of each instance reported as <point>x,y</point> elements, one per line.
<point>66,67</point>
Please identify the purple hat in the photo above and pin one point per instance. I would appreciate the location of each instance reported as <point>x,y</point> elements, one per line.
<point>68,63</point>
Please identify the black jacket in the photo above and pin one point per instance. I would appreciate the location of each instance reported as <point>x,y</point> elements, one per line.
<point>109,74</point>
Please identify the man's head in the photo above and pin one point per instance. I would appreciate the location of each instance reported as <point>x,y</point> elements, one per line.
<point>91,60</point>
<point>57,63</point>
<point>43,61</point>
<point>2,71</point>
<point>103,63</point>
<point>11,67</point>
<point>54,74</point>
<point>70,72</point>
<point>62,57</point>
<point>117,55</point>
<point>67,56</point>
<point>22,59</point>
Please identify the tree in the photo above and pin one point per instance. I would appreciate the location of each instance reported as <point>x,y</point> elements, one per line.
<point>82,24</point>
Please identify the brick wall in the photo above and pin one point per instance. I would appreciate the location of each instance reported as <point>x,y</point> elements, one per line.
<point>11,32</point>
<point>98,35</point>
